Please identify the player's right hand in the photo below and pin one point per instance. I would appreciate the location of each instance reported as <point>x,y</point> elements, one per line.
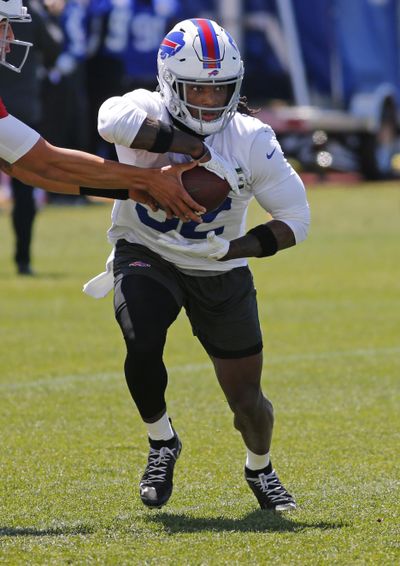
<point>215,163</point>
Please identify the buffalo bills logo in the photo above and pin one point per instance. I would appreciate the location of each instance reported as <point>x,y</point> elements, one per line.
<point>171,44</point>
<point>139,264</point>
<point>213,73</point>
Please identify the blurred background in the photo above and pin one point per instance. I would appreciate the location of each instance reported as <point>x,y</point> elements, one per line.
<point>325,75</point>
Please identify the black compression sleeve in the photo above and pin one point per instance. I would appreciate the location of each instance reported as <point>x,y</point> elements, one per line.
<point>118,194</point>
<point>267,239</point>
<point>164,138</point>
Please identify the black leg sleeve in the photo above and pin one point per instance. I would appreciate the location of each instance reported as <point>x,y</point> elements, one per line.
<point>144,310</point>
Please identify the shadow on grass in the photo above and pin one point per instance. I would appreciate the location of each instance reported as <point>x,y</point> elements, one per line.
<point>257,521</point>
<point>50,532</point>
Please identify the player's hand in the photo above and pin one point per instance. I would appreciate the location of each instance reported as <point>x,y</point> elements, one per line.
<point>212,161</point>
<point>165,187</point>
<point>213,247</point>
<point>144,198</point>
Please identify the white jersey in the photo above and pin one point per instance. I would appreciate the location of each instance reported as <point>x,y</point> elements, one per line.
<point>16,138</point>
<point>248,144</point>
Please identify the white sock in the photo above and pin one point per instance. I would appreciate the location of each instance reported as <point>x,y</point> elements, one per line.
<point>256,461</point>
<point>161,429</point>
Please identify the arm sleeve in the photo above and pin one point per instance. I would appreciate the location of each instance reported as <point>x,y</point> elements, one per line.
<point>120,119</point>
<point>117,194</point>
<point>16,138</point>
<point>277,187</point>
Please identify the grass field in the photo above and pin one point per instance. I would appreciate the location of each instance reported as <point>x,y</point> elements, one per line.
<point>73,447</point>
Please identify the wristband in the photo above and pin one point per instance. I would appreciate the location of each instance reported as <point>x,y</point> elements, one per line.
<point>164,137</point>
<point>267,239</point>
<point>118,194</point>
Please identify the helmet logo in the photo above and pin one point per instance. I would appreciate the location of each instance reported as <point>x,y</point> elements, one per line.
<point>171,44</point>
<point>213,73</point>
<point>231,41</point>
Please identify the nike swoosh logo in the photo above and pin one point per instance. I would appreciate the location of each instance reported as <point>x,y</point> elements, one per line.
<point>269,155</point>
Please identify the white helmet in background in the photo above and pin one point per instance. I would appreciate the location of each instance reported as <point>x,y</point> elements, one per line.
<point>12,11</point>
<point>199,51</point>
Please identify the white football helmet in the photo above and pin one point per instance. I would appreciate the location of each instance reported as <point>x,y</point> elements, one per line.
<point>12,11</point>
<point>199,51</point>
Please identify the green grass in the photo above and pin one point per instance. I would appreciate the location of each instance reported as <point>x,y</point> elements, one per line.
<point>73,447</point>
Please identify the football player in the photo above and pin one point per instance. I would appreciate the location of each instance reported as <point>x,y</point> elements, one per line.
<point>27,156</point>
<point>160,265</point>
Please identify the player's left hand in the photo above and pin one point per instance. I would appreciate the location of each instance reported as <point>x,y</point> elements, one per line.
<point>213,247</point>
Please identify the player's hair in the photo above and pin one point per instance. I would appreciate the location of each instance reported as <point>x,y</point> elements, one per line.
<point>243,107</point>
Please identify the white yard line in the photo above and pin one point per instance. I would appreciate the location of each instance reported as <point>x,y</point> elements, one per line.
<point>60,381</point>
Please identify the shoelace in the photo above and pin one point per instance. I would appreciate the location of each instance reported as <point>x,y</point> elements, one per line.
<point>271,486</point>
<point>158,462</point>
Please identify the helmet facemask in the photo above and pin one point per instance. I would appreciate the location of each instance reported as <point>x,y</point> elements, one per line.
<point>13,12</point>
<point>194,120</point>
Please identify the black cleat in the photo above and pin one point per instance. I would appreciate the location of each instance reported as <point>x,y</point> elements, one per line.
<point>156,483</point>
<point>268,489</point>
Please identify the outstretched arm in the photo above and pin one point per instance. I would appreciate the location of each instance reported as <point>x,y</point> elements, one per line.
<point>35,180</point>
<point>73,189</point>
<point>71,167</point>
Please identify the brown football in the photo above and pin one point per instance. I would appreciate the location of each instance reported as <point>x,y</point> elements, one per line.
<point>205,187</point>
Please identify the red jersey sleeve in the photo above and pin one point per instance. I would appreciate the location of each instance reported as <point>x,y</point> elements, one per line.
<point>3,110</point>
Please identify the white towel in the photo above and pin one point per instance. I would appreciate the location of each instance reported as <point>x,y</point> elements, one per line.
<point>101,285</point>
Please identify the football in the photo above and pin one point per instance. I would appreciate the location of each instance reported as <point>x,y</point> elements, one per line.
<point>205,187</point>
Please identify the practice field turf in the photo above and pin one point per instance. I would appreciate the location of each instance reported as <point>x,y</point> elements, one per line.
<point>73,448</point>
